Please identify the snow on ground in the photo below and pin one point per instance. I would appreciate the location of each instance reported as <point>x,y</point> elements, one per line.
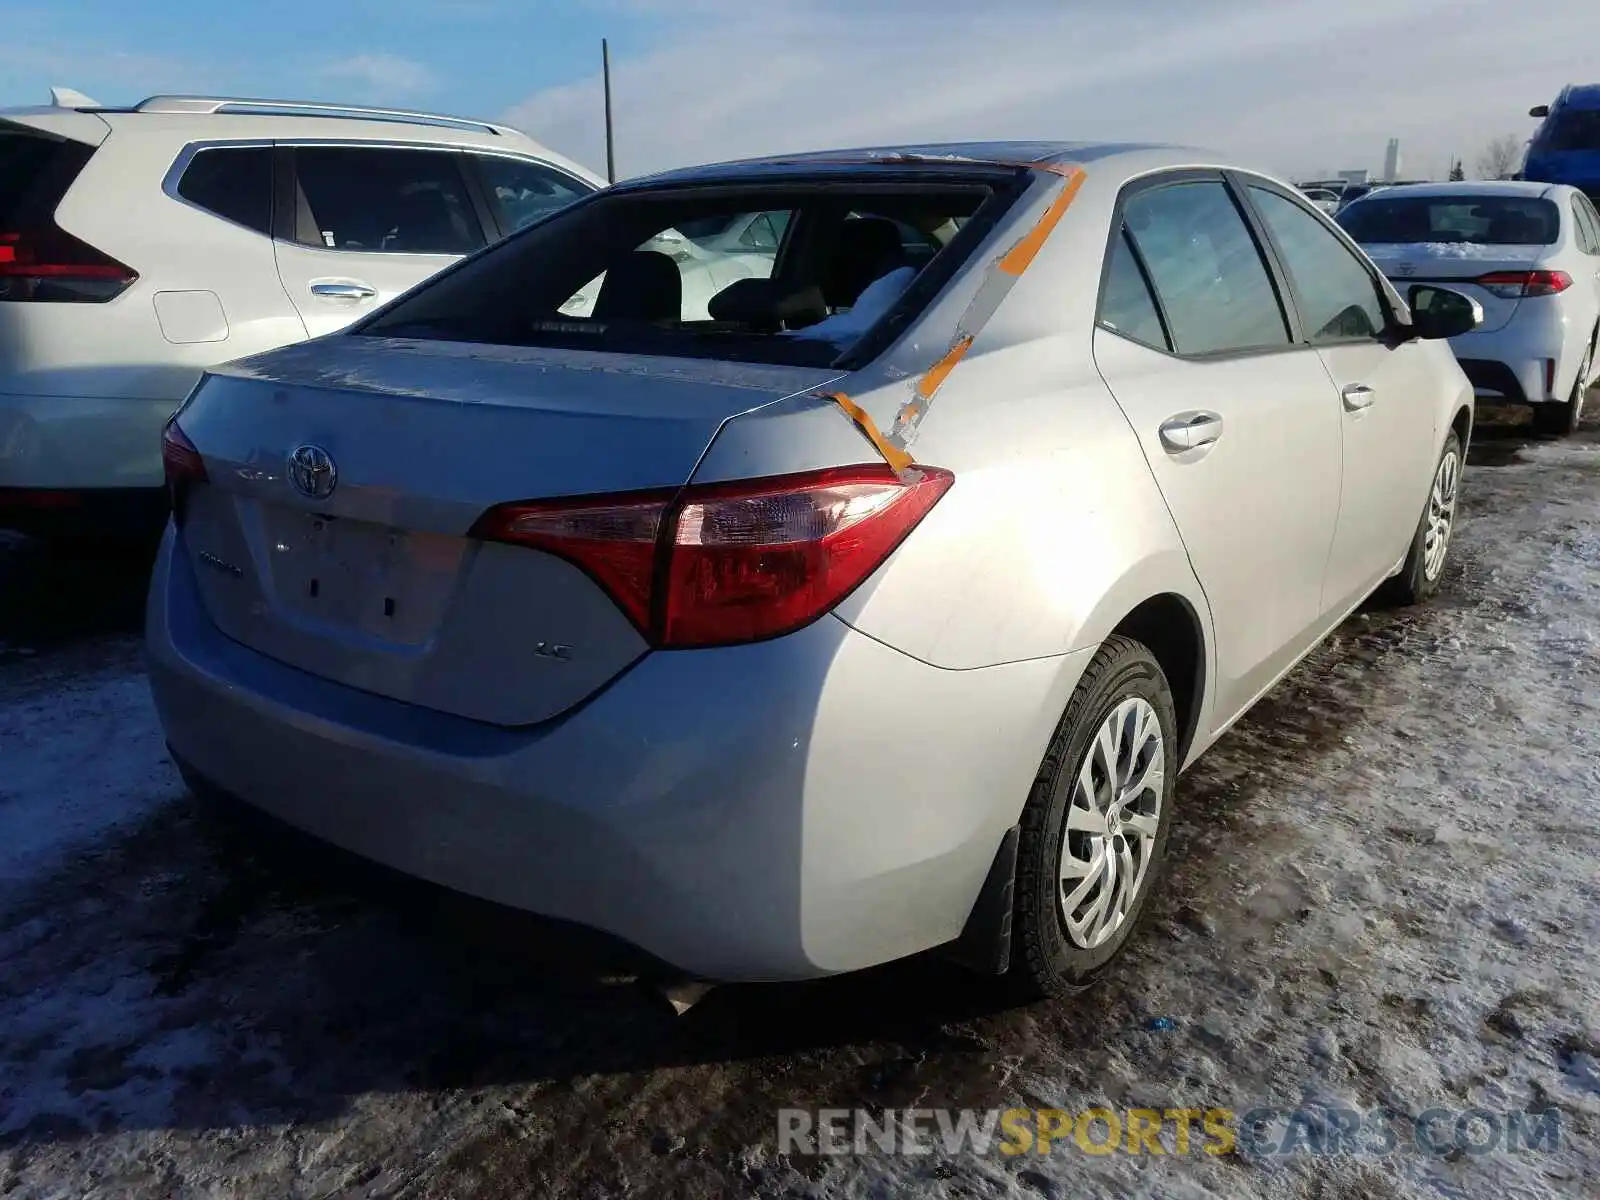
<point>1383,893</point>
<point>49,731</point>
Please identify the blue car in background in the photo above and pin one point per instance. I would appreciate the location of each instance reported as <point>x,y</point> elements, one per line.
<point>1567,147</point>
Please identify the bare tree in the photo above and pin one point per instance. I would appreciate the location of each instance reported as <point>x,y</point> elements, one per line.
<point>1500,157</point>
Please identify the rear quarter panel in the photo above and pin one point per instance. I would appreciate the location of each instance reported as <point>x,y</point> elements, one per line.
<point>1054,530</point>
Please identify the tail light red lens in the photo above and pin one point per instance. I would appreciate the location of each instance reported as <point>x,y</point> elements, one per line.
<point>50,265</point>
<point>1515,285</point>
<point>726,563</point>
<point>613,540</point>
<point>182,464</point>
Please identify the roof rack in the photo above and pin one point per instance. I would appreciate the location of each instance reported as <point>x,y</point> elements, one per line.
<point>245,105</point>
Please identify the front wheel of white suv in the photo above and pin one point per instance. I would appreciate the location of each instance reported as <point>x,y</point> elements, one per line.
<point>1094,832</point>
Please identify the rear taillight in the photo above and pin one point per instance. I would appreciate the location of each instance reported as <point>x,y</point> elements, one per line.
<point>50,265</point>
<point>1514,285</point>
<point>738,562</point>
<point>181,463</point>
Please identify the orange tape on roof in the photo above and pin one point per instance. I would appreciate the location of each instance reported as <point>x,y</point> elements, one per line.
<point>1024,252</point>
<point>1012,263</point>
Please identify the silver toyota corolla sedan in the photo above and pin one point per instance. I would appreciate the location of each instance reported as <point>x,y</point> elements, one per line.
<point>871,607</point>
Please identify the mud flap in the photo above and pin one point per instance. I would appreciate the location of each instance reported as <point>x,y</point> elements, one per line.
<point>985,941</point>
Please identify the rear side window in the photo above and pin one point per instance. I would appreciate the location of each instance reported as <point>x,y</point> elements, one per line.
<point>1484,220</point>
<point>1206,268</point>
<point>1126,305</point>
<point>234,183</point>
<point>523,192</point>
<point>35,173</point>
<point>674,272</point>
<point>1338,298</point>
<point>375,199</point>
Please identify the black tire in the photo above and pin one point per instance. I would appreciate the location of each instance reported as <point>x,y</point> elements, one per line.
<point>1045,962</point>
<point>1561,420</point>
<point>1414,584</point>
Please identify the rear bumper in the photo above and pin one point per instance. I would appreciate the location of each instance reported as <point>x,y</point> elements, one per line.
<point>1515,361</point>
<point>813,804</point>
<point>66,443</point>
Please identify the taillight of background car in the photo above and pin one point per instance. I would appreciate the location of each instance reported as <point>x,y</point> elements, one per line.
<point>1515,285</point>
<point>181,463</point>
<point>51,266</point>
<point>719,564</point>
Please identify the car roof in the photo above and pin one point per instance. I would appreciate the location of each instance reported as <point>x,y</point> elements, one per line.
<point>1472,187</point>
<point>1582,95</point>
<point>1141,156</point>
<point>243,118</point>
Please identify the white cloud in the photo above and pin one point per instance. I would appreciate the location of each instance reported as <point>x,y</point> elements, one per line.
<point>1297,84</point>
<point>380,76</point>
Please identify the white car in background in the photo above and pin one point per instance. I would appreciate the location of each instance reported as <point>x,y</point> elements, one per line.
<point>139,246</point>
<point>1529,253</point>
<point>1325,199</point>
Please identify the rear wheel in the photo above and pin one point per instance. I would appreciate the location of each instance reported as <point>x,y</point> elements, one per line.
<point>1094,833</point>
<point>1561,420</point>
<point>1430,545</point>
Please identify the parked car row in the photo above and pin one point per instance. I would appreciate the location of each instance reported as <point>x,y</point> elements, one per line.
<point>789,566</point>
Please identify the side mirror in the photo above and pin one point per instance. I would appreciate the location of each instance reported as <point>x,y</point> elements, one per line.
<point>1438,312</point>
<point>1539,110</point>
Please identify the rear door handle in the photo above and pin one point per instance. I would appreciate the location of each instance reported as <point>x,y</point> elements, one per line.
<point>1357,396</point>
<point>1190,431</point>
<point>330,289</point>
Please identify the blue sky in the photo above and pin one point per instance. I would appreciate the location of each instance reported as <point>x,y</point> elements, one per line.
<point>1303,86</point>
<point>476,56</point>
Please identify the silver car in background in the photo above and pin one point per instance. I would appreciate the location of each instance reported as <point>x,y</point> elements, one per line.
<point>877,610</point>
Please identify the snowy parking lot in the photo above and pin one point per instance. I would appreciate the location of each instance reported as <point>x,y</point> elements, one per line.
<point>1384,896</point>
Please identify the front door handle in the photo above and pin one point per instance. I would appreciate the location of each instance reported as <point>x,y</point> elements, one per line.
<point>332,289</point>
<point>1357,396</point>
<point>1190,431</point>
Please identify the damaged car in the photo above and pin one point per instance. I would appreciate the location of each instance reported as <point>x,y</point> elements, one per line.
<point>872,606</point>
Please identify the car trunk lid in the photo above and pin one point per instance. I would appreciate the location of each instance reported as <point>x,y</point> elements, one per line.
<point>1458,265</point>
<point>376,583</point>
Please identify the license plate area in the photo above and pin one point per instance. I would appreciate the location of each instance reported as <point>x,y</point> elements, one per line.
<point>386,583</point>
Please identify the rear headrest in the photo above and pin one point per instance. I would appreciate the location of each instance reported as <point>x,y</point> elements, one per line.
<point>643,285</point>
<point>763,304</point>
<point>868,248</point>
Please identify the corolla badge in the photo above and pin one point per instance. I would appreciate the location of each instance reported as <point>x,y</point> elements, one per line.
<point>312,472</point>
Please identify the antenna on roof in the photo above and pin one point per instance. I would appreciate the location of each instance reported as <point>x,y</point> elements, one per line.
<point>63,97</point>
<point>605,70</point>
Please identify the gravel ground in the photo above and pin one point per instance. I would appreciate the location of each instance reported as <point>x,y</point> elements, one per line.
<point>1383,894</point>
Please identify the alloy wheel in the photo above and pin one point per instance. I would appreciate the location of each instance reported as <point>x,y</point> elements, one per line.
<point>1111,825</point>
<point>1441,514</point>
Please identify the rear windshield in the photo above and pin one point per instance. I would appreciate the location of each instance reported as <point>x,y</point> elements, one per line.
<point>35,172</point>
<point>783,273</point>
<point>1482,220</point>
<point>1571,129</point>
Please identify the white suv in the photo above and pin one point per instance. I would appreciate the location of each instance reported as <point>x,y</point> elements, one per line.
<point>139,246</point>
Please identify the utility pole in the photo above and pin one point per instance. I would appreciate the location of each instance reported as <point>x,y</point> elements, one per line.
<point>605,68</point>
